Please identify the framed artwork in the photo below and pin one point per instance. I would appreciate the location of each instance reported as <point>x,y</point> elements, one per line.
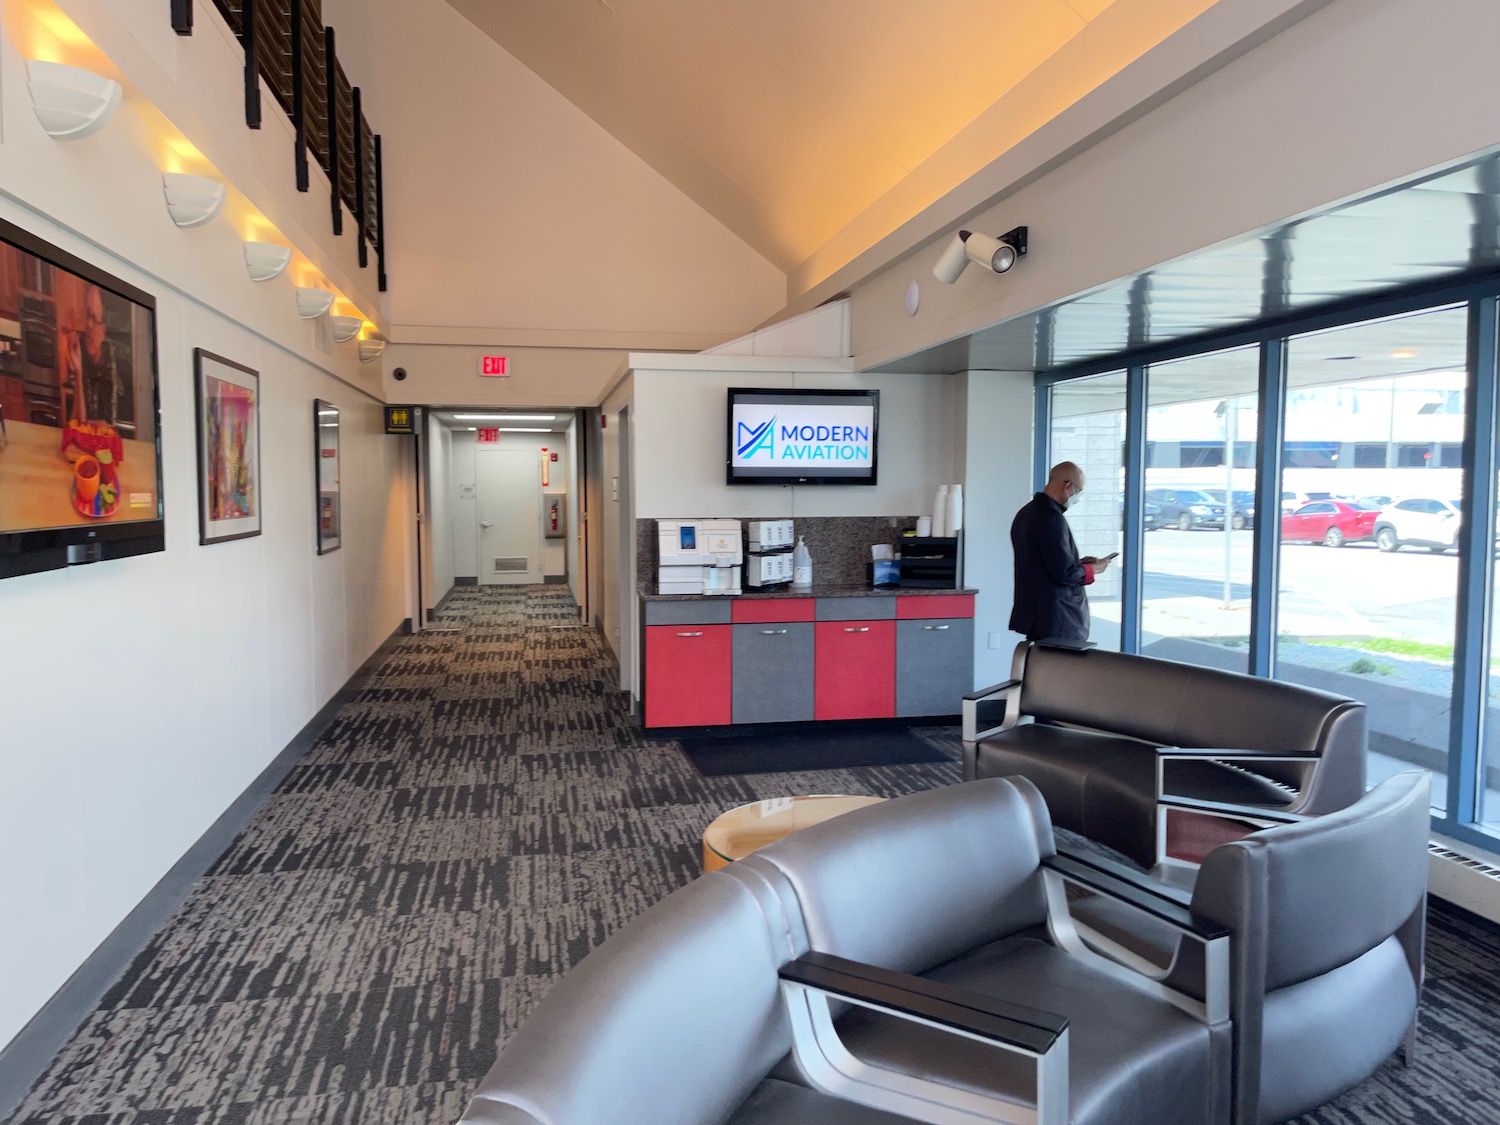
<point>228,415</point>
<point>326,450</point>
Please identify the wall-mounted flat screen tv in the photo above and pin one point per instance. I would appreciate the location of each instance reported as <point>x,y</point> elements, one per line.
<point>80,450</point>
<point>802,437</point>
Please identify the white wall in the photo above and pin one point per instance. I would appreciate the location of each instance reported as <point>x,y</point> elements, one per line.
<point>143,695</point>
<point>995,452</point>
<point>442,502</point>
<point>517,212</point>
<point>680,444</point>
<point>617,589</point>
<point>1306,119</point>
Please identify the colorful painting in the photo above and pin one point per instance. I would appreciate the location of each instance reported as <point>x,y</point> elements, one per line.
<point>228,449</point>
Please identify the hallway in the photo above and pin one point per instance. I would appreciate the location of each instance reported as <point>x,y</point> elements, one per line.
<point>479,816</point>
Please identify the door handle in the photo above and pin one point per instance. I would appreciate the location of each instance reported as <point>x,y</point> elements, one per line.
<point>486,524</point>
<point>861,629</point>
<point>699,633</point>
<point>938,628</point>
<point>773,632</point>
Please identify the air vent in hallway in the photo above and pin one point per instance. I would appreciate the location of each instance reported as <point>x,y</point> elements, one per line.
<point>512,566</point>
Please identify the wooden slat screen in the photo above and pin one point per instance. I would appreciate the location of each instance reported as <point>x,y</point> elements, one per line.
<point>273,49</point>
<point>314,82</point>
<point>372,208</point>
<point>345,101</point>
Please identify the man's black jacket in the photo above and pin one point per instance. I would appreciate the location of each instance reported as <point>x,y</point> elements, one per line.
<point>1049,578</point>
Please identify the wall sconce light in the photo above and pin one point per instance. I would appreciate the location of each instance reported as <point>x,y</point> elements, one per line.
<point>370,349</point>
<point>69,102</point>
<point>996,254</point>
<point>313,303</point>
<point>345,328</point>
<point>192,200</point>
<point>266,260</point>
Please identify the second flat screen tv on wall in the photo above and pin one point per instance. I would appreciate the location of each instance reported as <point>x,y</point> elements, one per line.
<point>802,437</point>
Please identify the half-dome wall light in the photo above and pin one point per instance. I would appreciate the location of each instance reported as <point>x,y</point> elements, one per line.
<point>313,303</point>
<point>70,102</point>
<point>369,350</point>
<point>994,254</point>
<point>345,328</point>
<point>192,200</point>
<point>266,260</point>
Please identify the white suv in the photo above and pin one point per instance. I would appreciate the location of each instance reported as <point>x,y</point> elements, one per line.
<point>1420,521</point>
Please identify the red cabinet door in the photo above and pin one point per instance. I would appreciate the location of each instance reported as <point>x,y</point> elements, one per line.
<point>854,670</point>
<point>688,675</point>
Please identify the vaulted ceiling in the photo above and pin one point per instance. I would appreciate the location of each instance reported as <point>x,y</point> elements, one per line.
<point>785,119</point>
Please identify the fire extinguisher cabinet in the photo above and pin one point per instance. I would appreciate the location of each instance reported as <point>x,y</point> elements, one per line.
<point>554,515</point>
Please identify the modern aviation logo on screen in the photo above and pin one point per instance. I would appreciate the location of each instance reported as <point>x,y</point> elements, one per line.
<point>787,437</point>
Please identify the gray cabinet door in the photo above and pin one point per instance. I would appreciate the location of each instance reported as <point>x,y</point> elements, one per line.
<point>773,672</point>
<point>934,665</point>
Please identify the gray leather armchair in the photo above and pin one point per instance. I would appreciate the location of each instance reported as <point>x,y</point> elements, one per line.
<point>1326,919</point>
<point>907,962</point>
<point>1106,736</point>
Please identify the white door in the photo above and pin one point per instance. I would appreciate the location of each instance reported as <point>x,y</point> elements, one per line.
<point>510,516</point>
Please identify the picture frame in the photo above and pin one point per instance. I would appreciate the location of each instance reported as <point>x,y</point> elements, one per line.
<point>227,421</point>
<point>328,513</point>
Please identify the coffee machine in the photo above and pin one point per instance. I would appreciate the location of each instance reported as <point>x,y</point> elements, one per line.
<point>699,556</point>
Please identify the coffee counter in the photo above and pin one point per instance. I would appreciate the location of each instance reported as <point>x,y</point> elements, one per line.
<point>832,652</point>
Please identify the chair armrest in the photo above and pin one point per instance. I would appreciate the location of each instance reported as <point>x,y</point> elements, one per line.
<point>1009,692</point>
<point>809,982</point>
<point>1125,874</point>
<point>995,689</point>
<point>1195,981</point>
<point>1160,902</point>
<point>1012,1025</point>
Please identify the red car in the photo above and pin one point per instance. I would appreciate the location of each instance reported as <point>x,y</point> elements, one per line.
<point>1330,522</point>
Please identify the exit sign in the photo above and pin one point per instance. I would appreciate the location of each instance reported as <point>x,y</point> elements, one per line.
<point>496,366</point>
<point>487,435</point>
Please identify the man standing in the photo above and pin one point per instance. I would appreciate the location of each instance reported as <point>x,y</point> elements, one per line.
<point>1050,577</point>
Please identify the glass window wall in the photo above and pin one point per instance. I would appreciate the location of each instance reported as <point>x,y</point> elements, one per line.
<point>1199,509</point>
<point>1368,570</point>
<point>1088,428</point>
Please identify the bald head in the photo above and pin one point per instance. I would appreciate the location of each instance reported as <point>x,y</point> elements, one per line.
<point>1064,481</point>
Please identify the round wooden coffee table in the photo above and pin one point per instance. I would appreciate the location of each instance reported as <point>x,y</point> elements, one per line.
<point>740,831</point>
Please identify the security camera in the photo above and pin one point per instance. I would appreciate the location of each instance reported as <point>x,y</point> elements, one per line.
<point>996,254</point>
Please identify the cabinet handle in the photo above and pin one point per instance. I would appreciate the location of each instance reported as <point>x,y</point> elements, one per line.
<point>699,633</point>
<point>773,632</point>
<point>861,629</point>
<point>939,628</point>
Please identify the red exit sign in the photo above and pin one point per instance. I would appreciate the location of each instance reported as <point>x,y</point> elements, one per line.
<point>496,366</point>
<point>487,436</point>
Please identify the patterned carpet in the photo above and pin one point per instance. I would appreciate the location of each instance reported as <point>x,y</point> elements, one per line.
<point>480,816</point>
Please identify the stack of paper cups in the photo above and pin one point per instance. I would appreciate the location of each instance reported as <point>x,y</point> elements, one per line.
<point>953,520</point>
<point>924,526</point>
<point>940,512</point>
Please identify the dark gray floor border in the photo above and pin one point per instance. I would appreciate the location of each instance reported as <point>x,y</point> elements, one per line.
<point>27,1056</point>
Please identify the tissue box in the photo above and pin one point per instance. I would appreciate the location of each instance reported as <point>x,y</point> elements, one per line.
<point>885,572</point>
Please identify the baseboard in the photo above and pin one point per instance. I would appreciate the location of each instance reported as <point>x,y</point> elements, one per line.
<point>466,581</point>
<point>554,579</point>
<point>26,1057</point>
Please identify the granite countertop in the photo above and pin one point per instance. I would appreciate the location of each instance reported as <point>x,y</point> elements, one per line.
<point>817,591</point>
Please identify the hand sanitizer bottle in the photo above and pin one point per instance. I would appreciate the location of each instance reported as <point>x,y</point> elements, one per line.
<point>801,566</point>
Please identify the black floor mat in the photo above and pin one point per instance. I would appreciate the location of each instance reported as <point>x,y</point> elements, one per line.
<point>779,751</point>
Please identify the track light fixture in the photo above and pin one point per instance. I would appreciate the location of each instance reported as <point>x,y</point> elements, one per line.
<point>995,254</point>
